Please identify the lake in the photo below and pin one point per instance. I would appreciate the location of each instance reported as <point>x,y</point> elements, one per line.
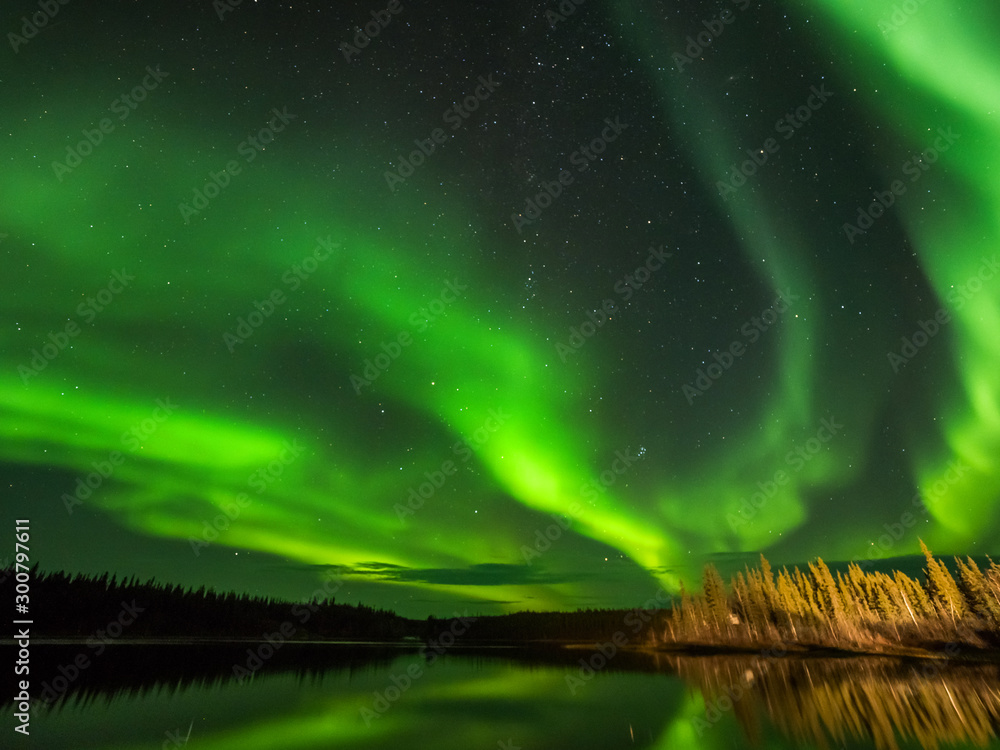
<point>377,696</point>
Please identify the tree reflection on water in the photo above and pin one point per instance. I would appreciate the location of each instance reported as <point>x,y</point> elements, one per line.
<point>819,701</point>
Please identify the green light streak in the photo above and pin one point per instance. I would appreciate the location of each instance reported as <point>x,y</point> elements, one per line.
<point>290,381</point>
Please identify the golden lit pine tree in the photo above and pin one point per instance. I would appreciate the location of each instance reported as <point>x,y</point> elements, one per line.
<point>758,598</point>
<point>860,585</point>
<point>976,589</point>
<point>884,605</point>
<point>942,587</point>
<point>790,602</point>
<point>753,614</point>
<point>716,598</point>
<point>767,578</point>
<point>922,606</point>
<point>856,610</point>
<point>903,588</point>
<point>833,607</point>
<point>813,607</point>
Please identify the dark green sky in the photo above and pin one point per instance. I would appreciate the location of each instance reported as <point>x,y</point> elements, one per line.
<point>500,309</point>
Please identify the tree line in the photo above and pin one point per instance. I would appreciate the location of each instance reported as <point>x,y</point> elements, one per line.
<point>82,606</point>
<point>814,607</point>
<point>853,610</point>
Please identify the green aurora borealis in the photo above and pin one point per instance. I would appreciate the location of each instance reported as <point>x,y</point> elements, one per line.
<point>435,271</point>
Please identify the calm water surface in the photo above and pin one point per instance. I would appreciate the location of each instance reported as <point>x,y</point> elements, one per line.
<point>328,697</point>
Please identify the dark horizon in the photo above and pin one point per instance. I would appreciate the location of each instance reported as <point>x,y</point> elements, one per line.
<point>336,583</point>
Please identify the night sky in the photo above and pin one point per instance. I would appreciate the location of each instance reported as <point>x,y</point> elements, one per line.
<point>495,306</point>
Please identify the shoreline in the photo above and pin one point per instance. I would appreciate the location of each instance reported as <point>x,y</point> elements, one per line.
<point>776,650</point>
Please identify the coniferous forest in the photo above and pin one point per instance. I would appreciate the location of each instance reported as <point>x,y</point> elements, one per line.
<point>750,644</point>
<point>82,607</point>
<point>855,611</point>
<point>815,608</point>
